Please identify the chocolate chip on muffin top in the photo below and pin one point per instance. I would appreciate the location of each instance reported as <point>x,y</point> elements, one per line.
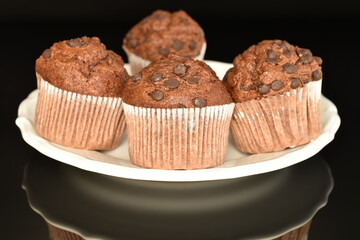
<point>83,65</point>
<point>271,67</point>
<point>164,32</point>
<point>176,82</point>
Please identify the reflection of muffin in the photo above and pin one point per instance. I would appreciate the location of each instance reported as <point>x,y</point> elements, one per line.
<point>300,233</point>
<point>178,115</point>
<point>79,104</point>
<point>162,33</point>
<point>56,233</point>
<point>276,88</point>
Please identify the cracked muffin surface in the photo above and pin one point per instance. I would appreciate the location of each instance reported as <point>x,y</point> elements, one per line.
<point>176,82</point>
<point>83,65</point>
<point>271,67</point>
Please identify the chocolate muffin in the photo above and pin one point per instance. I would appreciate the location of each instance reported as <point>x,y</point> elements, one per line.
<point>79,103</point>
<point>276,87</point>
<point>162,33</point>
<point>178,115</point>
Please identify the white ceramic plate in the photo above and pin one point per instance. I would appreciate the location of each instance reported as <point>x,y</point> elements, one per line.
<point>117,163</point>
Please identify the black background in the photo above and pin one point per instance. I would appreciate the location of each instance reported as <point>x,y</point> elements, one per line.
<point>329,28</point>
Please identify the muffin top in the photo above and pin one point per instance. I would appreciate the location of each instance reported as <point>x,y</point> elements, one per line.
<point>176,82</point>
<point>83,65</point>
<point>162,33</point>
<point>271,67</point>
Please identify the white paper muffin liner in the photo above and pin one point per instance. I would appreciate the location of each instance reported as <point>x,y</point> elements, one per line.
<point>181,138</point>
<point>137,63</point>
<point>277,122</point>
<point>77,120</point>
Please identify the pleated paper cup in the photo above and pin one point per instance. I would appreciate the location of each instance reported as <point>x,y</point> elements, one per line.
<point>137,63</point>
<point>278,122</point>
<point>181,138</point>
<point>77,120</point>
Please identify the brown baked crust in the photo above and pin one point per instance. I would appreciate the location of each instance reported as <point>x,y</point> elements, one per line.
<point>176,82</point>
<point>271,67</point>
<point>162,33</point>
<point>83,65</point>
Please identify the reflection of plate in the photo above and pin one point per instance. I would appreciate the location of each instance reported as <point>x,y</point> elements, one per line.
<point>96,206</point>
<point>116,162</point>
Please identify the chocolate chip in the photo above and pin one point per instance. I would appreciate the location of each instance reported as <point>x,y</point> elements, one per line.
<point>289,68</point>
<point>159,16</point>
<point>156,77</point>
<point>299,61</point>
<point>318,60</point>
<point>271,57</point>
<point>180,106</point>
<point>84,44</point>
<point>242,88</point>
<point>306,80</point>
<point>287,53</point>
<point>163,51</point>
<point>192,80</point>
<point>184,21</point>
<point>192,45</point>
<point>263,89</point>
<point>74,42</point>
<point>133,42</point>
<point>199,102</point>
<point>178,45</point>
<point>305,55</point>
<point>317,75</point>
<point>180,69</point>
<point>277,42</point>
<point>277,85</point>
<point>271,54</point>
<point>157,95</point>
<point>285,45</point>
<point>137,77</point>
<point>172,83</point>
<point>295,83</point>
<point>46,54</point>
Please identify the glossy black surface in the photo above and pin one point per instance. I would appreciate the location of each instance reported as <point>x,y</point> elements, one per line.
<point>328,28</point>
<point>254,207</point>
